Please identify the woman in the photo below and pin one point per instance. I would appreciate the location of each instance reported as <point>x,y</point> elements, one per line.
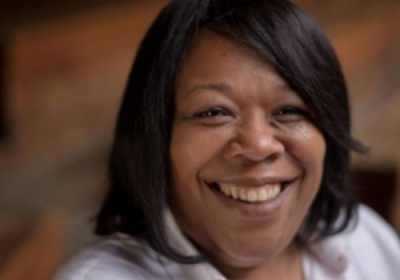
<point>231,156</point>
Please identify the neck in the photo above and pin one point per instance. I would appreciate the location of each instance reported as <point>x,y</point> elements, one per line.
<point>285,266</point>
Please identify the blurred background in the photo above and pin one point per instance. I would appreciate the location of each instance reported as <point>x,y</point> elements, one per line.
<point>63,68</point>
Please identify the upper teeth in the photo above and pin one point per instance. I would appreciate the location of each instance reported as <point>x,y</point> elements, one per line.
<point>259,194</point>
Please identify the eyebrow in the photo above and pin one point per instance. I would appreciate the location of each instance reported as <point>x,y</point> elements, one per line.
<point>224,88</point>
<point>221,87</point>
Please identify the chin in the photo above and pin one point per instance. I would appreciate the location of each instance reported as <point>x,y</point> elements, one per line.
<point>242,254</point>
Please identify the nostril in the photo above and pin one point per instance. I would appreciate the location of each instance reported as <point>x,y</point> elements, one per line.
<point>255,147</point>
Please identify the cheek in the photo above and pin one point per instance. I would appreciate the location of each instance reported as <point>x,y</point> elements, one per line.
<point>191,149</point>
<point>307,146</point>
<point>192,152</point>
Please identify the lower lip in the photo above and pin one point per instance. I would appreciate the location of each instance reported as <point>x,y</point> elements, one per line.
<point>259,211</point>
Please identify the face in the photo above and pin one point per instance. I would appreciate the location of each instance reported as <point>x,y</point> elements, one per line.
<point>246,159</point>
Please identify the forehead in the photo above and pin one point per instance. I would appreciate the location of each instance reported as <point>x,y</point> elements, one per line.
<point>218,60</point>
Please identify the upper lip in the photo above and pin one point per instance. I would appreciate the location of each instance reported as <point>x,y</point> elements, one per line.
<point>254,181</point>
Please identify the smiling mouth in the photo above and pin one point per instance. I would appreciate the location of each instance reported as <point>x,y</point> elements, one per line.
<point>250,195</point>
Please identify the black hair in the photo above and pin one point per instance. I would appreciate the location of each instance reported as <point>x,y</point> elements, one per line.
<point>279,31</point>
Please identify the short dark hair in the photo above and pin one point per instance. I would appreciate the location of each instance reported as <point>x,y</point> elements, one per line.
<point>281,33</point>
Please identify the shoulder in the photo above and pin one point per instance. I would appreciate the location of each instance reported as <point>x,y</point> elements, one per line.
<point>373,246</point>
<point>372,231</point>
<point>110,259</point>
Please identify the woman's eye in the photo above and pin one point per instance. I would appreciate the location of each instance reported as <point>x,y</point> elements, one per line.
<point>214,116</point>
<point>291,114</point>
<point>211,113</point>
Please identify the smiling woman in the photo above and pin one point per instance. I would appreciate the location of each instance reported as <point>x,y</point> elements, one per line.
<point>228,160</point>
<point>243,155</point>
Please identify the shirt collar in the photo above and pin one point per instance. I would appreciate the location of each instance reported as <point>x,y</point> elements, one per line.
<point>331,254</point>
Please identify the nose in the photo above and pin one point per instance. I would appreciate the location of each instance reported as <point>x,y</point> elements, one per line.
<point>255,142</point>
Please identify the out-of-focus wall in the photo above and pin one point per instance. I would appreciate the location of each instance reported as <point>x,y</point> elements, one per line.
<point>62,73</point>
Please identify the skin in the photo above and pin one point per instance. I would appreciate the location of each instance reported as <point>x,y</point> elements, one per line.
<point>237,118</point>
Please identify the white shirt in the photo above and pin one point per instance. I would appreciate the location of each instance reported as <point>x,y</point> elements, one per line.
<point>369,251</point>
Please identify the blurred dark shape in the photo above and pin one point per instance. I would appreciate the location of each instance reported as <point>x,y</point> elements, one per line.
<point>377,189</point>
<point>17,11</point>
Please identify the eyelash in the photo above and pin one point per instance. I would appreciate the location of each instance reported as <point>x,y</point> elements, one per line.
<point>212,113</point>
<point>285,114</point>
<point>293,113</point>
